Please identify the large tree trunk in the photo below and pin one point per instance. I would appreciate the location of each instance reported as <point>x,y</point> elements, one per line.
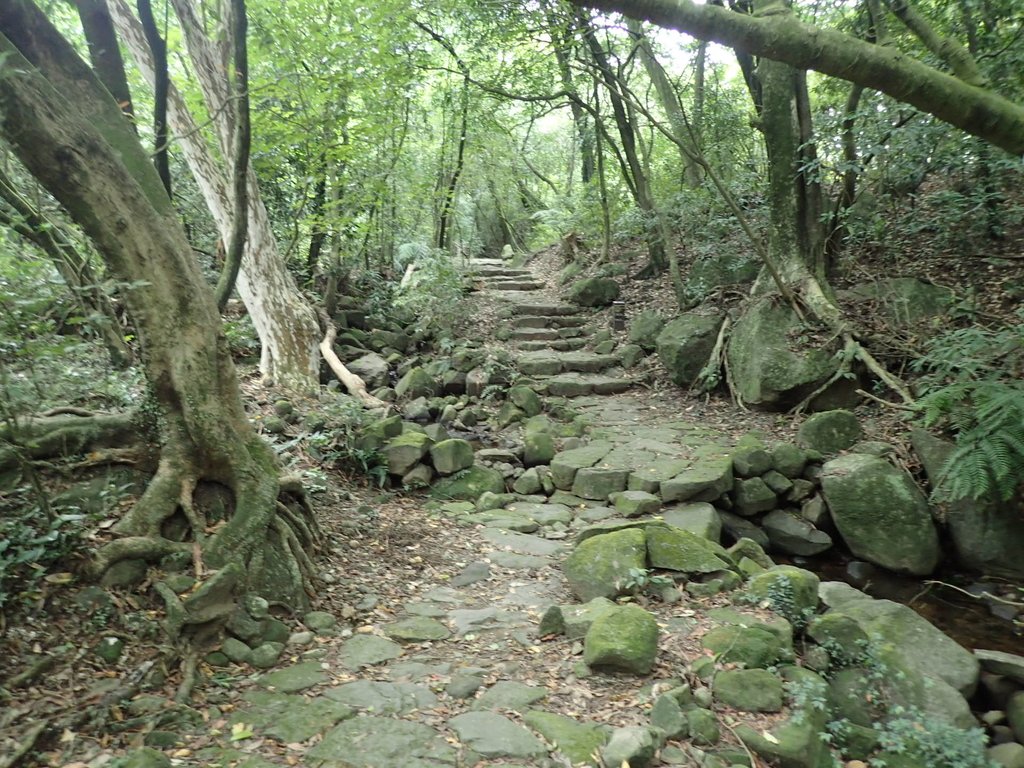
<point>782,37</point>
<point>283,319</point>
<point>69,133</point>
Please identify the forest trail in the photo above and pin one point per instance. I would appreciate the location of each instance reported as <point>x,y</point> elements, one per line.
<point>448,668</point>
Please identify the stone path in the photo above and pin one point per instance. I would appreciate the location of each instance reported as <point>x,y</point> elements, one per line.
<point>458,675</point>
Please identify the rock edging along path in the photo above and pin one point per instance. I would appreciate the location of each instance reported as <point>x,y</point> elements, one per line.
<point>511,650</point>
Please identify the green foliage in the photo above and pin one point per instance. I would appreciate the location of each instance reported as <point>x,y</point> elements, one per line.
<point>973,389</point>
<point>645,580</point>
<point>338,444</point>
<point>31,542</point>
<point>925,740</point>
<point>433,294</point>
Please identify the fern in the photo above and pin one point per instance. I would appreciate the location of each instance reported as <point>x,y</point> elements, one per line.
<point>973,390</point>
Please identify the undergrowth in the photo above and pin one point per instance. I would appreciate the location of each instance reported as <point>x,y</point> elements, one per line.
<point>972,388</point>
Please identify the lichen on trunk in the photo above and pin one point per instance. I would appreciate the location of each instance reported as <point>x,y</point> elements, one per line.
<point>70,134</point>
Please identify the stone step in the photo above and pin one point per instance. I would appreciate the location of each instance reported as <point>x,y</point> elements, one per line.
<point>560,345</point>
<point>499,272</point>
<point>545,309</point>
<point>547,321</point>
<point>580,384</point>
<point>550,363</point>
<point>544,334</point>
<point>474,263</point>
<point>515,285</point>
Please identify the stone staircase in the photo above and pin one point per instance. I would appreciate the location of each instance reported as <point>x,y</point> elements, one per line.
<point>550,336</point>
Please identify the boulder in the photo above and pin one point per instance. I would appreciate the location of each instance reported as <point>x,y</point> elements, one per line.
<point>680,550</point>
<point>404,452</point>
<point>716,267</point>
<point>644,329</point>
<point>707,480</point>
<point>417,383</point>
<point>451,456</point>
<point>469,485</point>
<point>915,643</point>
<point>699,517</point>
<point>881,513</point>
<point>594,292</point>
<point>600,566</point>
<point>371,368</point>
<point>790,591</point>
<point>751,646</point>
<point>751,690</point>
<point>573,621</point>
<point>830,431</point>
<point>988,536</point>
<point>685,344</point>
<point>538,448</point>
<point>634,503</point>
<point>632,745</point>
<point>566,464</point>
<point>576,740</point>
<point>741,528</point>
<point>598,483</point>
<point>788,459</point>
<point>790,533</point>
<point>751,496</point>
<point>903,301</point>
<point>769,367</point>
<point>625,638</point>
<point>526,400</point>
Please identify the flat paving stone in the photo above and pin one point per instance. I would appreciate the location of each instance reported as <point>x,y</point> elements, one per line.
<point>547,321</point>
<point>368,650</point>
<point>579,384</point>
<point>375,742</point>
<point>287,717</point>
<point>518,562</point>
<point>509,694</point>
<point>417,629</point>
<point>471,574</point>
<point>383,698</point>
<point>523,543</point>
<point>493,735</point>
<point>492,618</point>
<point>297,677</point>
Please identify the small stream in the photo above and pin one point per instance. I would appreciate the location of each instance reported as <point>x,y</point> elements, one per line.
<point>968,620</point>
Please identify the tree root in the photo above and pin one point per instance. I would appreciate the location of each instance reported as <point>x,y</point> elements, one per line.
<point>66,432</point>
<point>709,377</point>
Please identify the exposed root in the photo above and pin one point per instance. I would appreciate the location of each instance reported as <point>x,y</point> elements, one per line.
<point>189,676</point>
<point>26,745</point>
<point>67,432</point>
<point>709,377</point>
<point>887,378</point>
<point>134,548</point>
<point>845,369</point>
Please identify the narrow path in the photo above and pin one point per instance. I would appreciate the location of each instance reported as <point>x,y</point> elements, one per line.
<point>446,667</point>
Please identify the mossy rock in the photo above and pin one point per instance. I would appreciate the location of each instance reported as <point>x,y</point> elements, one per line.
<point>788,590</point>
<point>600,566</point>
<point>469,484</point>
<point>830,431</point>
<point>644,329</point>
<point>625,639</point>
<point>680,550</point>
<point>684,345</point>
<point>451,456</point>
<point>754,647</point>
<point>751,690</point>
<point>594,291</point>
